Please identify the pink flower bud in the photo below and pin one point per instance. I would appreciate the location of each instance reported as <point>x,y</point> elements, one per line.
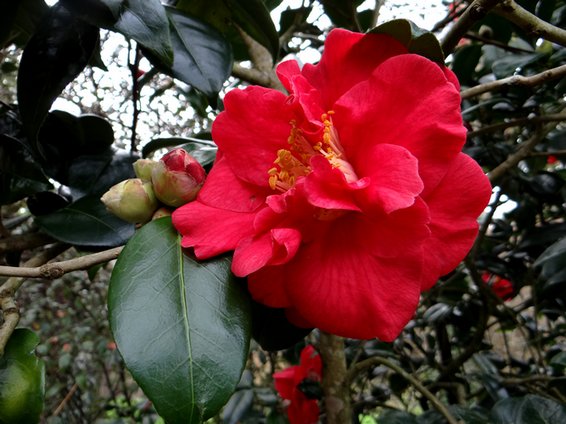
<point>132,200</point>
<point>143,168</point>
<point>177,178</point>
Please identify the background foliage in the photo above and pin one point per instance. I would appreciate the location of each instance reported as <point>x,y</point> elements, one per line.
<point>488,341</point>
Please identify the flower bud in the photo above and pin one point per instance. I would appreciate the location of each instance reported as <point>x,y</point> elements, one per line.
<point>143,168</point>
<point>132,200</point>
<point>177,178</point>
<point>161,212</point>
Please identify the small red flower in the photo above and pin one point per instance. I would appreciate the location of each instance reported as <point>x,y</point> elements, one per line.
<point>299,385</point>
<point>346,198</point>
<point>501,287</point>
<point>551,159</point>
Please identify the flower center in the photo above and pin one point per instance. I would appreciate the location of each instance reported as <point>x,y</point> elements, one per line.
<point>294,162</point>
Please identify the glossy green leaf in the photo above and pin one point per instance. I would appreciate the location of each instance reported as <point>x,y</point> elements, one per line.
<point>530,409</point>
<point>14,188</point>
<point>203,57</point>
<point>54,56</point>
<point>86,223</point>
<point>182,326</point>
<point>250,15</point>
<point>144,21</point>
<point>22,379</point>
<point>416,39</point>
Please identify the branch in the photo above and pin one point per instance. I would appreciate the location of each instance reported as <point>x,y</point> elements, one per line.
<point>8,289</point>
<point>377,360</point>
<point>334,379</point>
<point>530,23</point>
<point>262,72</point>
<point>523,152</point>
<point>23,242</point>
<point>475,12</point>
<point>518,122</point>
<point>516,80</point>
<point>55,270</point>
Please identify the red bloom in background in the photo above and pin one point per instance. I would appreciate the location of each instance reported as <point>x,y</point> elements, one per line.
<point>501,287</point>
<point>293,384</point>
<point>346,198</point>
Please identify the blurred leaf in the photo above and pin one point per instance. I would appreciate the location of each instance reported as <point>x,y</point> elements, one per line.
<point>86,223</point>
<point>16,159</point>
<point>238,406</point>
<point>19,20</point>
<point>342,13</point>
<point>530,409</point>
<point>465,61</point>
<point>250,15</point>
<point>182,326</point>
<point>511,64</point>
<point>558,362</point>
<point>392,416</point>
<point>203,58</point>
<point>54,56</point>
<point>46,202</point>
<point>22,379</point>
<point>416,39</point>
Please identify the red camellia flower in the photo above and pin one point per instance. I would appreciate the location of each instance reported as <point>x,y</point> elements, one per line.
<point>299,384</point>
<point>501,287</point>
<point>347,197</point>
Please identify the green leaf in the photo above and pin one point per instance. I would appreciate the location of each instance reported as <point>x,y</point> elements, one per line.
<point>342,13</point>
<point>416,39</point>
<point>22,379</point>
<point>146,22</point>
<point>182,326</point>
<point>86,223</point>
<point>19,19</point>
<point>54,56</point>
<point>250,15</point>
<point>530,409</point>
<point>203,57</point>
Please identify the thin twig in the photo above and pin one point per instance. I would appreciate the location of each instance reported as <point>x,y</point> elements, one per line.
<point>377,360</point>
<point>65,400</point>
<point>11,285</point>
<point>516,80</point>
<point>55,270</point>
<point>523,152</point>
<point>530,23</point>
<point>517,122</point>
<point>475,12</point>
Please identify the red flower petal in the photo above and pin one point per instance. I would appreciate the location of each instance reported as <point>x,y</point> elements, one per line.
<point>349,58</point>
<point>454,207</point>
<point>272,248</point>
<point>394,175</point>
<point>393,107</point>
<point>254,125</point>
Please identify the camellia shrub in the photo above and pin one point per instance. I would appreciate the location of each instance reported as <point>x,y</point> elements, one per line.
<point>373,237</point>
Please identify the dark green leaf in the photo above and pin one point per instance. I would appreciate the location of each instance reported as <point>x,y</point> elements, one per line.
<point>146,22</point>
<point>86,223</point>
<point>342,13</point>
<point>22,379</point>
<point>14,188</point>
<point>182,326</point>
<point>19,19</point>
<point>530,409</point>
<point>250,15</point>
<point>203,57</point>
<point>16,159</point>
<point>54,56</point>
<point>509,65</point>
<point>416,39</point>
<point>392,416</point>
<point>272,330</point>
